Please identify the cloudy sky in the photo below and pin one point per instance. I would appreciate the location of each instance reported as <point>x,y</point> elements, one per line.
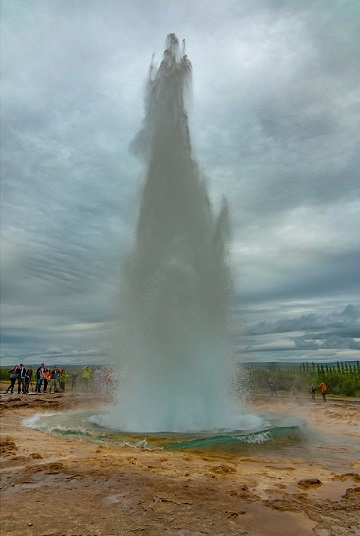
<point>275,126</point>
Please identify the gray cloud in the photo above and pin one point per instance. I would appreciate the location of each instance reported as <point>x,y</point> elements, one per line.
<point>307,336</point>
<point>311,341</point>
<point>348,318</point>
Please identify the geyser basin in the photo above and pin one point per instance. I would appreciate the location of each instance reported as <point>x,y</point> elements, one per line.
<point>264,432</point>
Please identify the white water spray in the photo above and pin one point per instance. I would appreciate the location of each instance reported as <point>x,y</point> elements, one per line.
<point>170,349</point>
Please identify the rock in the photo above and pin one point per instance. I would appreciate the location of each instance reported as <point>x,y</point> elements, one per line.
<point>7,445</point>
<point>321,531</point>
<point>309,482</point>
<point>223,469</point>
<point>35,456</point>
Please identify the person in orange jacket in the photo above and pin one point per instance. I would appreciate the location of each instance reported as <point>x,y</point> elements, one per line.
<point>323,391</point>
<point>47,378</point>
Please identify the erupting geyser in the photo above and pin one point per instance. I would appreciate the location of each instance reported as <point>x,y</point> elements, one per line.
<point>170,350</point>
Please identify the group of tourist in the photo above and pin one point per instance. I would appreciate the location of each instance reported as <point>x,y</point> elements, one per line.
<point>54,380</point>
<point>48,380</point>
<point>273,390</point>
<point>45,380</point>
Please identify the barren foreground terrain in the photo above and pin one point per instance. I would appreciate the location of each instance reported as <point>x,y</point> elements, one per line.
<point>64,486</point>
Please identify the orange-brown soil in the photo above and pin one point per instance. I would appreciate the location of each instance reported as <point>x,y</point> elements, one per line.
<point>62,486</point>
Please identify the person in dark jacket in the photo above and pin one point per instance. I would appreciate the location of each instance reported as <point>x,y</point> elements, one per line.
<point>28,377</point>
<point>13,378</point>
<point>21,379</point>
<point>40,375</point>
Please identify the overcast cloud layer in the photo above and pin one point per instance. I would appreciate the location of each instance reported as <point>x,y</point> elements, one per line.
<point>275,127</point>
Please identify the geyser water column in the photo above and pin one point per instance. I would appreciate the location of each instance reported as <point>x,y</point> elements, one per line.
<point>170,350</point>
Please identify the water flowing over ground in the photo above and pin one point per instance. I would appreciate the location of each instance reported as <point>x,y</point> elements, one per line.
<point>170,346</point>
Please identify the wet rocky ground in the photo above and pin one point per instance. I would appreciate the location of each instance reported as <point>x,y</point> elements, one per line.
<point>54,485</point>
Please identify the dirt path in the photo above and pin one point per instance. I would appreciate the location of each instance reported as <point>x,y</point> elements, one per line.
<point>62,486</point>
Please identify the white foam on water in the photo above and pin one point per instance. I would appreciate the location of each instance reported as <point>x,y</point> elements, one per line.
<point>35,421</point>
<point>258,438</point>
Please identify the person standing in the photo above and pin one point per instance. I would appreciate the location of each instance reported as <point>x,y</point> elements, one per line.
<point>323,391</point>
<point>55,379</point>
<point>40,375</point>
<point>13,378</point>
<point>28,377</point>
<point>47,377</point>
<point>312,391</point>
<point>74,377</point>
<point>86,375</point>
<point>63,379</point>
<point>272,387</point>
<point>21,379</point>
